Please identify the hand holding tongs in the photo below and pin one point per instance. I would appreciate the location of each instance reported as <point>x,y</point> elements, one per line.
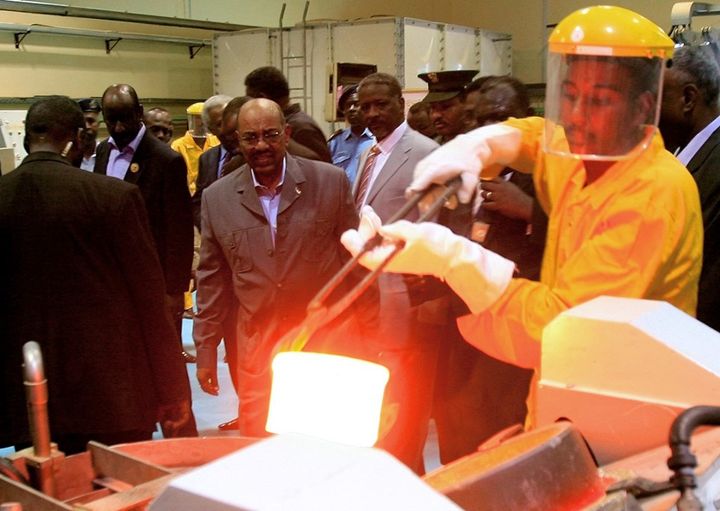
<point>319,314</point>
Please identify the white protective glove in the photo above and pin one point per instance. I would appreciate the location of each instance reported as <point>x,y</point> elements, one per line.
<point>477,275</point>
<point>465,156</point>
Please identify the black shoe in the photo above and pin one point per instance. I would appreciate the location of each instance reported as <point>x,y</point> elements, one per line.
<point>188,358</point>
<point>229,425</point>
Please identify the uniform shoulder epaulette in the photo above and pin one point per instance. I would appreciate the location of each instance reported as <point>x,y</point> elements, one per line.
<point>337,132</point>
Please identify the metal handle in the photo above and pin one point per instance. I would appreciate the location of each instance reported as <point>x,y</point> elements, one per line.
<point>318,314</point>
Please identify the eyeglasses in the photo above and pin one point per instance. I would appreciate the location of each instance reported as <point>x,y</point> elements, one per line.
<point>269,136</point>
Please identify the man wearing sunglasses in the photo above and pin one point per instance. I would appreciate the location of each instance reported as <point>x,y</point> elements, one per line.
<point>270,240</point>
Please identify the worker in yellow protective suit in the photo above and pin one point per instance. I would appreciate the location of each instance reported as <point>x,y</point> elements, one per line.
<point>196,140</point>
<point>203,123</point>
<point>624,214</point>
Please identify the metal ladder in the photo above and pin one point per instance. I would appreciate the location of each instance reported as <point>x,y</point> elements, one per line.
<point>290,61</point>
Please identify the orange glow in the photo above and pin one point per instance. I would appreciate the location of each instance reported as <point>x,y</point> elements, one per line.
<point>327,396</point>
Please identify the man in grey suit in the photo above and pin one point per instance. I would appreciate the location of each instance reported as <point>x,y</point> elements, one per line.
<point>270,240</point>
<point>403,346</point>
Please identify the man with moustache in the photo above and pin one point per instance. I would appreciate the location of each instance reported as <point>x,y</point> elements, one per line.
<point>446,97</point>
<point>404,344</point>
<point>270,240</point>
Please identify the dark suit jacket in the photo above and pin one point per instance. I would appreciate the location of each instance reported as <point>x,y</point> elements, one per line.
<point>80,276</point>
<point>207,175</point>
<point>306,132</point>
<point>705,169</point>
<point>272,284</point>
<point>162,178</point>
<point>509,237</point>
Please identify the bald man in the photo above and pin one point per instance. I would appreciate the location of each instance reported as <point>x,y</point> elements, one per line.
<point>270,240</point>
<point>132,154</point>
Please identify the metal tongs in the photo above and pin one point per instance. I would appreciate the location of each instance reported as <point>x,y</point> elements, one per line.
<point>318,313</point>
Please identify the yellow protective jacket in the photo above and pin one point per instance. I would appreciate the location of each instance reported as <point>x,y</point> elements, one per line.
<point>635,232</point>
<point>191,152</point>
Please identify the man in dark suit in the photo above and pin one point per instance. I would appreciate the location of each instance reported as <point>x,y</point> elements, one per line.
<point>690,126</point>
<point>306,137</point>
<point>403,344</point>
<point>81,277</point>
<point>135,156</point>
<point>511,223</point>
<point>270,240</point>
<point>221,159</point>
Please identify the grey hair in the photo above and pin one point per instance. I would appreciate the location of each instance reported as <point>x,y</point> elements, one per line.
<point>698,62</point>
<point>212,102</point>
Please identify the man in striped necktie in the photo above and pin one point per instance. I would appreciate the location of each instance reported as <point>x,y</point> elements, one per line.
<point>402,346</point>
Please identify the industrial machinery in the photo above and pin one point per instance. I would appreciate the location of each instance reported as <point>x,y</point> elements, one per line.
<point>667,361</point>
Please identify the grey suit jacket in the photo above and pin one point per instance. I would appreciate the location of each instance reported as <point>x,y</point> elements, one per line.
<point>387,194</point>
<point>271,283</point>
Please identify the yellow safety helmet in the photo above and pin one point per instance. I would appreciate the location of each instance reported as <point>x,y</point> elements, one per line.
<point>604,80</point>
<point>612,31</point>
<point>195,109</point>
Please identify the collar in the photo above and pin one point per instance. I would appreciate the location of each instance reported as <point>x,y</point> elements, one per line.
<point>133,145</point>
<point>387,144</point>
<point>46,155</point>
<point>623,172</point>
<point>366,134</point>
<point>256,184</point>
<point>697,142</point>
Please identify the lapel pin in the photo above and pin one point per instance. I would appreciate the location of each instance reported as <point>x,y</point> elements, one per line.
<point>134,167</point>
<point>298,190</point>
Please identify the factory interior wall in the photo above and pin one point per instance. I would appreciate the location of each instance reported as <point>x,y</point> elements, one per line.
<point>80,67</point>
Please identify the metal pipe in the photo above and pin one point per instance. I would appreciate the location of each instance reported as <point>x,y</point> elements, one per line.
<point>682,461</point>
<point>36,394</point>
<point>102,14</point>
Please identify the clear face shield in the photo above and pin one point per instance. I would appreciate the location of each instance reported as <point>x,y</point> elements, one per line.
<point>196,125</point>
<point>601,107</point>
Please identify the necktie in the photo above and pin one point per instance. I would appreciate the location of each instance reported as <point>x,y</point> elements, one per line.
<point>232,163</point>
<point>223,162</point>
<point>365,175</point>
